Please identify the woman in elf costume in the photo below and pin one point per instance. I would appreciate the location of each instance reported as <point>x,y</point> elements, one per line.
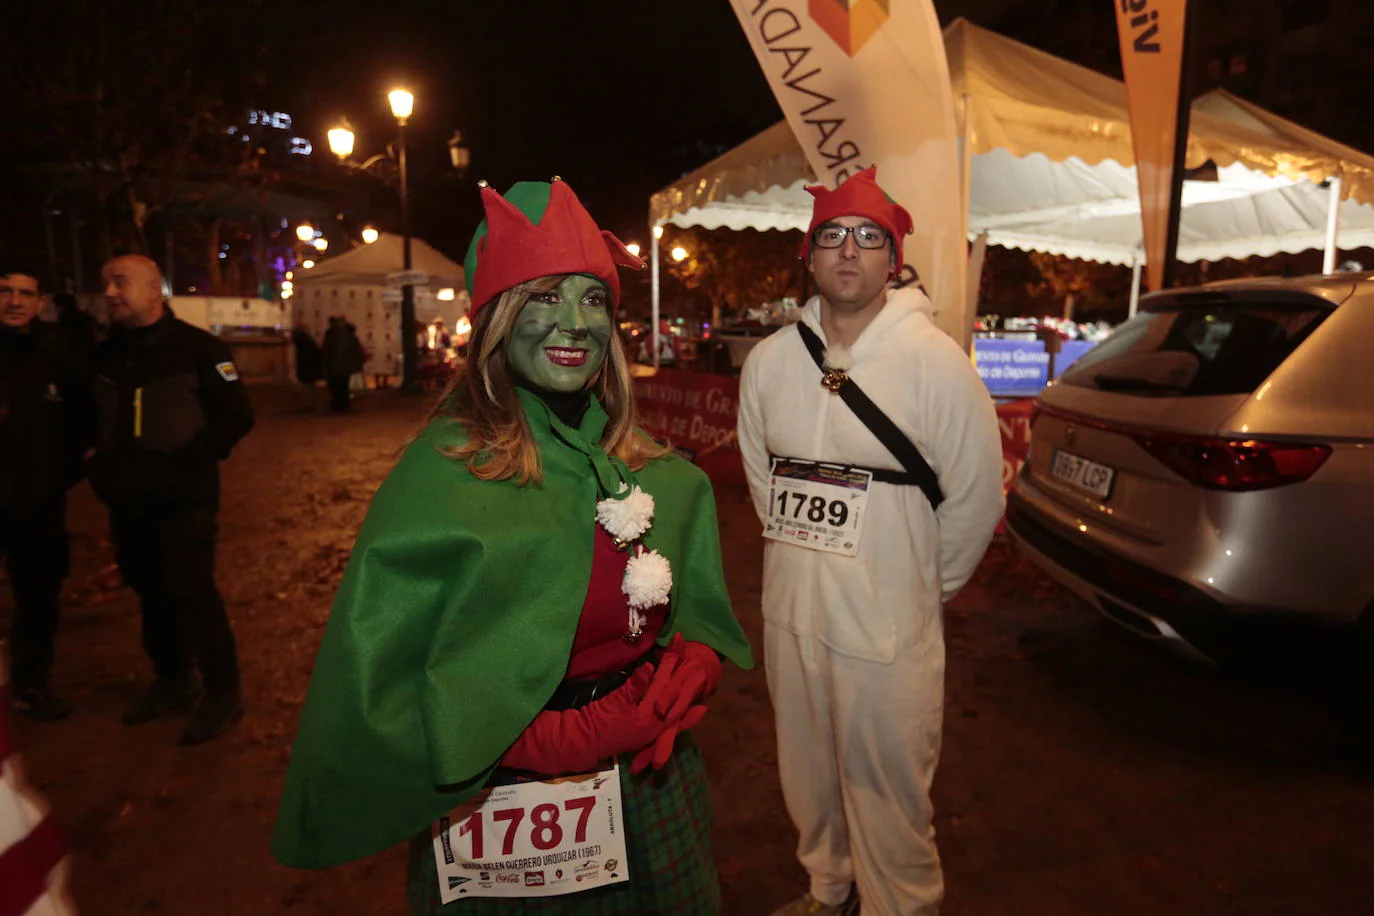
<point>536,590</point>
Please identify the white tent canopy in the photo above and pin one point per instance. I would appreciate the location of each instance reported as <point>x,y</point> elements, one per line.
<point>372,264</point>
<point>1052,168</point>
<point>356,285</point>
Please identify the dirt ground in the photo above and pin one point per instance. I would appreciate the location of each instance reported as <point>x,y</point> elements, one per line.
<point>1081,774</point>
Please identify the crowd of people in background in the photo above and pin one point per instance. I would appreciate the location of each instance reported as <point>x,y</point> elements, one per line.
<point>145,415</point>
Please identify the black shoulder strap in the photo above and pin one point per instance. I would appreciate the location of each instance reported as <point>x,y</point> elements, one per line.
<point>896,441</point>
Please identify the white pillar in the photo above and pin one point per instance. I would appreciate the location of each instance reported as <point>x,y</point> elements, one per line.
<point>1135,287</point>
<point>1333,227</point>
<point>653,290</point>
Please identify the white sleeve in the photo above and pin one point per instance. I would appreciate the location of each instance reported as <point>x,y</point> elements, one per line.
<point>967,451</point>
<point>752,444</point>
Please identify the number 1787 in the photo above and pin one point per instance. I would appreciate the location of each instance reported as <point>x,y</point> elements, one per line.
<point>545,830</point>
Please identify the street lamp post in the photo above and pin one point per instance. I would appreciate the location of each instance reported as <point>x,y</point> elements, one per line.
<point>402,103</point>
<point>341,143</point>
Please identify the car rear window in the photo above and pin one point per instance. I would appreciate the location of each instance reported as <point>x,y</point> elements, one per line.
<point>1195,350</point>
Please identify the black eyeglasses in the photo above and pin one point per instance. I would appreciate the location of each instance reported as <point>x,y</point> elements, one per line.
<point>865,236</point>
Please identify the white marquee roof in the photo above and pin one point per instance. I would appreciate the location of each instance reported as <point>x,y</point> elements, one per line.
<point>1053,168</point>
<point>370,265</point>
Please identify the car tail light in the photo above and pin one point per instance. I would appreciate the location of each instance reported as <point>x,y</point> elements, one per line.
<point>1232,464</point>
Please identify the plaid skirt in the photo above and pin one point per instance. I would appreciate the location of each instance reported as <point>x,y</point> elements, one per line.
<point>668,817</point>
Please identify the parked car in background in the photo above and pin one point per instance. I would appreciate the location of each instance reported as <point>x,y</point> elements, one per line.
<point>1205,475</point>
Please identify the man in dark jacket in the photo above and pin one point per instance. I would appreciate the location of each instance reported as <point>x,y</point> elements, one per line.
<point>170,406</point>
<point>43,417</point>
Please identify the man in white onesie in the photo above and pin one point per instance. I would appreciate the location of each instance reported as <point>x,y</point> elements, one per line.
<point>853,636</point>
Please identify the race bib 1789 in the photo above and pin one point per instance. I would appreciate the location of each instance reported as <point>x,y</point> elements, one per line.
<point>820,506</point>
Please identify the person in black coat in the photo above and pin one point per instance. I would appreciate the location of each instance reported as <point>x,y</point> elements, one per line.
<point>342,355</point>
<point>309,363</point>
<point>170,406</point>
<point>44,427</point>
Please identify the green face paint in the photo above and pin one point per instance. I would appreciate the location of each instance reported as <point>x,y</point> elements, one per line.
<point>560,337</point>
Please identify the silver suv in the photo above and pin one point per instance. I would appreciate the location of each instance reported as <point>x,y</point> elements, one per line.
<point>1205,475</point>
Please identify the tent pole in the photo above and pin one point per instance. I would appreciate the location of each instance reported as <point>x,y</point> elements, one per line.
<point>1135,287</point>
<point>977,254</point>
<point>1333,227</point>
<point>976,263</point>
<point>966,156</point>
<point>653,290</point>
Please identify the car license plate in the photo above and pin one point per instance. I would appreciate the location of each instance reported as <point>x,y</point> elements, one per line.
<point>1082,474</point>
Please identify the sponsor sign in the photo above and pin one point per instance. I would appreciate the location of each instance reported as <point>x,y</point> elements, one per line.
<point>696,412</point>
<point>1020,368</point>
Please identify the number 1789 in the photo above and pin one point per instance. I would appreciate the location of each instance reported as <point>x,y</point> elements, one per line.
<point>818,509</point>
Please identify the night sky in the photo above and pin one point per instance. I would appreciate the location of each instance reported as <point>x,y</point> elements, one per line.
<point>619,105</point>
<point>618,98</point>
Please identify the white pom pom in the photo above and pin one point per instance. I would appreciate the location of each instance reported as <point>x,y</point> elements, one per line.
<point>628,518</point>
<point>839,358</point>
<point>648,580</point>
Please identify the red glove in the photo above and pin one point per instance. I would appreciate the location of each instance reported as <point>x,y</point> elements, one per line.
<point>696,677</point>
<point>696,674</point>
<point>577,740</point>
<point>657,754</point>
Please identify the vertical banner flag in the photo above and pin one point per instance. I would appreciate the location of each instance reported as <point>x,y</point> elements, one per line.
<point>865,82</point>
<point>1152,34</point>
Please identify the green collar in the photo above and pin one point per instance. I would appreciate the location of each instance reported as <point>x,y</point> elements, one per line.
<point>611,472</point>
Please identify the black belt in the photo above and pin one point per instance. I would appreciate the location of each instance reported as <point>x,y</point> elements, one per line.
<point>576,694</point>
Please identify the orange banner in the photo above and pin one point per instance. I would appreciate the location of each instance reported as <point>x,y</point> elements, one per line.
<point>1152,36</point>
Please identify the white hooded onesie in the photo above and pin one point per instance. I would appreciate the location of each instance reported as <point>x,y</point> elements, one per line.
<point>854,646</point>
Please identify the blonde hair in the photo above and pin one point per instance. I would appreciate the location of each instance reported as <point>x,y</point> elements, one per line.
<point>482,398</point>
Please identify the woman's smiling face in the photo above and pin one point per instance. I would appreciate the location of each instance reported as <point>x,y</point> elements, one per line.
<point>559,339</point>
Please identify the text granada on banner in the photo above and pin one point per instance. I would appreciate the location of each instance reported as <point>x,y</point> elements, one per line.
<point>866,83</point>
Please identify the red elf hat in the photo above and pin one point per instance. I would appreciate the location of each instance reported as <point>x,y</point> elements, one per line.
<point>539,229</point>
<point>858,195</point>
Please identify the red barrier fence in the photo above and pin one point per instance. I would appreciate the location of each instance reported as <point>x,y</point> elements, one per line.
<point>696,411</point>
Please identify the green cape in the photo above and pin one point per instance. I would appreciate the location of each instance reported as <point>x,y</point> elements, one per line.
<point>455,621</point>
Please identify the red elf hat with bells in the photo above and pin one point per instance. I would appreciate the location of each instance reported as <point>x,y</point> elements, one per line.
<point>539,229</point>
<point>858,195</point>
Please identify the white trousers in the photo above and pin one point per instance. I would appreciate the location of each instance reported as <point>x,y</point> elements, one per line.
<point>858,743</point>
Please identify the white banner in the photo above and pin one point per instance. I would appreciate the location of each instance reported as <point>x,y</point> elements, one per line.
<point>865,82</point>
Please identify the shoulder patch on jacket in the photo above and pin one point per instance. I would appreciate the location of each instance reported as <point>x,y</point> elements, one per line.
<point>227,371</point>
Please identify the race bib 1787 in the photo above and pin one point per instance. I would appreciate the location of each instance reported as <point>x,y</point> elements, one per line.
<point>534,839</point>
